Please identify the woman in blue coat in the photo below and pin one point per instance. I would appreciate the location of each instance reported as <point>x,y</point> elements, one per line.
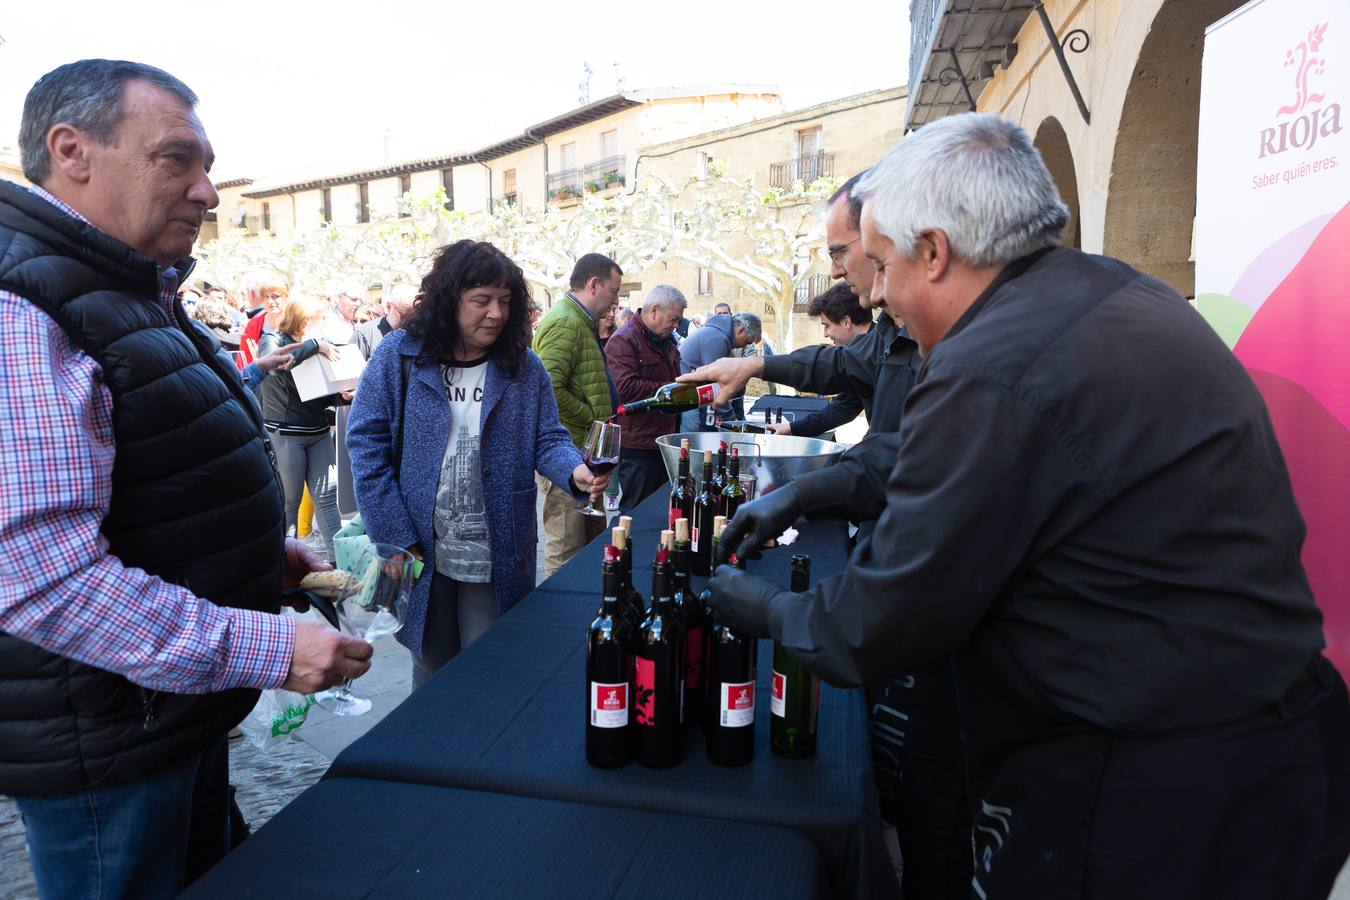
<point>453,416</point>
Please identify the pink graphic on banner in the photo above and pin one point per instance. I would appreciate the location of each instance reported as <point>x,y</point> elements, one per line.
<point>1259,280</point>
<point>1296,347</point>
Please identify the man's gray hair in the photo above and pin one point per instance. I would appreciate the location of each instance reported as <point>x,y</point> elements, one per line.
<point>750,322</point>
<point>975,176</point>
<point>662,296</point>
<point>88,95</point>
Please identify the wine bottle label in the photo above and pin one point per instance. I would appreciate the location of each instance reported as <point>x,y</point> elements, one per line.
<point>693,539</point>
<point>609,705</point>
<point>738,704</point>
<point>705,394</point>
<point>778,702</point>
<point>644,686</point>
<point>693,657</point>
<point>672,515</point>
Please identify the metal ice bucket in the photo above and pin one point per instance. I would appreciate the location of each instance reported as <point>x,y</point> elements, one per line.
<point>773,459</point>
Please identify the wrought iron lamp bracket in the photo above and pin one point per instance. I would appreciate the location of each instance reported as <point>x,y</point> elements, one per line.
<point>1077,41</point>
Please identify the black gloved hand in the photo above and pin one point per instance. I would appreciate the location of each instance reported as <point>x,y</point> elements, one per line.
<point>760,521</point>
<point>742,600</point>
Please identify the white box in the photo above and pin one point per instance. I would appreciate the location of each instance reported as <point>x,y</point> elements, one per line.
<point>319,376</point>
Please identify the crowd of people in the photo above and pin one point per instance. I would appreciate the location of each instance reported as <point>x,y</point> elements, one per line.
<point>1076,591</point>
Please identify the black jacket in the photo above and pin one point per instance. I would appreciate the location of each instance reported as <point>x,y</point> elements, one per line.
<point>879,369</point>
<point>195,501</point>
<point>1085,496</point>
<point>281,403</point>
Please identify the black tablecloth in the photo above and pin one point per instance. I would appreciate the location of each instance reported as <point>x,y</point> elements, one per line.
<point>793,403</point>
<point>507,716</point>
<point>355,838</point>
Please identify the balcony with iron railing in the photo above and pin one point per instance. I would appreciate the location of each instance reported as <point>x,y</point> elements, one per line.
<point>572,184</point>
<point>806,169</point>
<point>811,287</point>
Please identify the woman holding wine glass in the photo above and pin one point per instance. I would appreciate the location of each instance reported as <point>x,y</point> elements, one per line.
<point>453,416</point>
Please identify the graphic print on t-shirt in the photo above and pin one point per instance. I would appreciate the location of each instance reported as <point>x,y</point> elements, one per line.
<point>462,548</point>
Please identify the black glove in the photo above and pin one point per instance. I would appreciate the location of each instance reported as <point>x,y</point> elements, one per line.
<point>760,521</point>
<point>742,600</point>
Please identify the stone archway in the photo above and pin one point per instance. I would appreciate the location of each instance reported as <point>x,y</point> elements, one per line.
<point>1150,207</point>
<point>1054,146</point>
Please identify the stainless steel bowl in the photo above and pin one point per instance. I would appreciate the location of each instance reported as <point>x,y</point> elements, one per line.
<point>773,459</point>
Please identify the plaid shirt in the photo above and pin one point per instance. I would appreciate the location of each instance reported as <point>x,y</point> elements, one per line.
<point>60,588</point>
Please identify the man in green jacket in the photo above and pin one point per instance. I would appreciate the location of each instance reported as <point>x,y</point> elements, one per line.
<point>567,343</point>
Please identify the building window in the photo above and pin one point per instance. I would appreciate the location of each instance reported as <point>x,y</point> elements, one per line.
<point>569,156</point>
<point>609,143</point>
<point>267,217</point>
<point>363,202</point>
<point>404,184</point>
<point>808,157</point>
<point>448,182</point>
<point>327,210</point>
<point>509,185</point>
<point>808,142</point>
<point>704,281</point>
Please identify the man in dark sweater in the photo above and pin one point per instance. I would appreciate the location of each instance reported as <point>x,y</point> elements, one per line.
<point>1087,509</point>
<point>642,356</point>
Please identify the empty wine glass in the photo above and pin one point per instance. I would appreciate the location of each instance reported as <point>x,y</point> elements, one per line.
<point>600,452</point>
<point>373,603</point>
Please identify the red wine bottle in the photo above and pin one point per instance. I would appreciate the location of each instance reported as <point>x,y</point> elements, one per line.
<point>672,398</point>
<point>733,495</point>
<point>631,610</point>
<point>609,740</point>
<point>705,509</point>
<point>682,491</point>
<point>694,622</point>
<point>656,677</point>
<point>719,482</point>
<point>730,725</point>
<point>794,704</point>
<point>675,619</point>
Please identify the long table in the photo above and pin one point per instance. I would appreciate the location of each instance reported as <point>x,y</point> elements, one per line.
<point>355,838</point>
<point>507,716</point>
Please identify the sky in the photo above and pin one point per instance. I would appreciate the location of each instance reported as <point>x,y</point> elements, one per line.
<point>293,85</point>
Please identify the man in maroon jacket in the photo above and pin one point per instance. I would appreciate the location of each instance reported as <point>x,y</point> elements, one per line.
<point>642,356</point>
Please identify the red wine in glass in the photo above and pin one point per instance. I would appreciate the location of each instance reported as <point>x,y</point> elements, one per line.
<point>601,464</point>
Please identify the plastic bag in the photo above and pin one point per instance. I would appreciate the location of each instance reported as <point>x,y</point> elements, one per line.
<point>277,714</point>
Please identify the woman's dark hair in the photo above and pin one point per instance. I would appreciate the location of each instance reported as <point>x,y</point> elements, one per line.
<point>460,267</point>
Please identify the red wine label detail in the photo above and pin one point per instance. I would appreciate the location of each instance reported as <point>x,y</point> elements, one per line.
<point>609,705</point>
<point>693,538</point>
<point>705,394</point>
<point>644,687</point>
<point>673,515</point>
<point>738,704</point>
<point>778,702</point>
<point>693,657</point>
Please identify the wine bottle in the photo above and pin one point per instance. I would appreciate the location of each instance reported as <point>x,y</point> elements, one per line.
<point>730,723</point>
<point>657,677</point>
<point>743,427</point>
<point>675,617</point>
<point>609,740</point>
<point>705,508</point>
<point>631,611</point>
<point>795,699</point>
<point>682,491</point>
<point>672,398</point>
<point>719,482</point>
<point>694,622</point>
<point>733,495</point>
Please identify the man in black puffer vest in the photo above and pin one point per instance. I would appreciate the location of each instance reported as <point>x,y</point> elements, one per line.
<point>142,518</point>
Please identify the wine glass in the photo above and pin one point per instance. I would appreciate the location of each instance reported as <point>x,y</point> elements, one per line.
<point>600,452</point>
<point>373,603</point>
